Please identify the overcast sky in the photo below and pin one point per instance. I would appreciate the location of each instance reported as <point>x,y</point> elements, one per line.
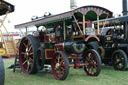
<point>25,9</point>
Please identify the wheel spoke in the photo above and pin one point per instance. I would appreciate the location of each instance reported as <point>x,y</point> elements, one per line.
<point>30,59</point>
<point>30,48</point>
<point>25,62</point>
<point>88,67</point>
<point>59,58</point>
<point>29,43</point>
<point>62,67</point>
<point>117,63</point>
<point>28,67</point>
<point>62,61</point>
<point>92,70</point>
<point>25,45</point>
<point>24,53</point>
<point>95,65</point>
<point>59,73</point>
<point>31,53</point>
<point>25,56</point>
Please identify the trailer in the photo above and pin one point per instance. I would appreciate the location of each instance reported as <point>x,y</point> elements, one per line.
<point>60,39</point>
<point>7,44</point>
<point>5,8</point>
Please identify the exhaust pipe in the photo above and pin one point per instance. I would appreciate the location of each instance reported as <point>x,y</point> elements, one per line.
<point>125,7</point>
<point>125,12</point>
<point>73,4</point>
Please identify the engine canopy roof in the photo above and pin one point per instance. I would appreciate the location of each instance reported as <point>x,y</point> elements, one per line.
<point>90,13</point>
<point>5,7</point>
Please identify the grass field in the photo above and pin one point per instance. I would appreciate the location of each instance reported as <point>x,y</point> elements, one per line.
<point>108,76</point>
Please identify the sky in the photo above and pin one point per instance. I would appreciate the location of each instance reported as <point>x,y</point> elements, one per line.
<point>25,9</point>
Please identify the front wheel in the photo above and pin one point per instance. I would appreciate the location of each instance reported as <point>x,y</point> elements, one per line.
<point>93,60</point>
<point>119,60</point>
<point>60,65</point>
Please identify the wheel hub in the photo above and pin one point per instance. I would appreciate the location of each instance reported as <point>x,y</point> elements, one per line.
<point>117,60</point>
<point>27,53</point>
<point>57,65</point>
<point>91,63</point>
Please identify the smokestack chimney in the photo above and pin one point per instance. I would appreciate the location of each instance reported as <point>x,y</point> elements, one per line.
<point>73,4</point>
<point>125,7</point>
<point>125,12</point>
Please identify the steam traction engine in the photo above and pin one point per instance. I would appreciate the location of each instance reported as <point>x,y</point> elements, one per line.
<point>58,39</point>
<point>114,40</point>
<point>113,45</point>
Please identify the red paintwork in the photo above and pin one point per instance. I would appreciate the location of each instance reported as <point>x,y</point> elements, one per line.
<point>11,35</point>
<point>92,36</point>
<point>77,62</point>
<point>49,38</point>
<point>76,59</point>
<point>49,53</point>
<point>46,38</point>
<point>60,46</point>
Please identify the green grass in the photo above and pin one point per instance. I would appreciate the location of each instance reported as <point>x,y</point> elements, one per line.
<point>108,76</point>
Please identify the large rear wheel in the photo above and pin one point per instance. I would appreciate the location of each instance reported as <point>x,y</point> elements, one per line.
<point>28,54</point>
<point>93,60</point>
<point>119,60</point>
<point>60,65</point>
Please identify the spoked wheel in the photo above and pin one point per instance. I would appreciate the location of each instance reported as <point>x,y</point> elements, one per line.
<point>119,60</point>
<point>93,60</point>
<point>28,54</point>
<point>2,72</point>
<point>60,65</point>
<point>41,58</point>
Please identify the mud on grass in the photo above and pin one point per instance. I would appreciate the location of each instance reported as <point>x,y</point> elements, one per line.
<point>108,76</point>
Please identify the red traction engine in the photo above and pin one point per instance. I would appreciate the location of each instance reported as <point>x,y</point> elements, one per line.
<point>60,41</point>
<point>33,55</point>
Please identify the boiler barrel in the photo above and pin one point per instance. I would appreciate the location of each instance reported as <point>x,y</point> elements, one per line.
<point>74,47</point>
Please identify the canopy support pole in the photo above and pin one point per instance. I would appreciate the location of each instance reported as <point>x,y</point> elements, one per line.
<point>64,30</point>
<point>98,28</point>
<point>1,34</point>
<point>26,31</point>
<point>83,24</point>
<point>77,25</point>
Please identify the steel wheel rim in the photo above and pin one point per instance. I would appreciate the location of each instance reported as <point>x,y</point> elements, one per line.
<point>26,55</point>
<point>92,67</point>
<point>119,61</point>
<point>58,66</point>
